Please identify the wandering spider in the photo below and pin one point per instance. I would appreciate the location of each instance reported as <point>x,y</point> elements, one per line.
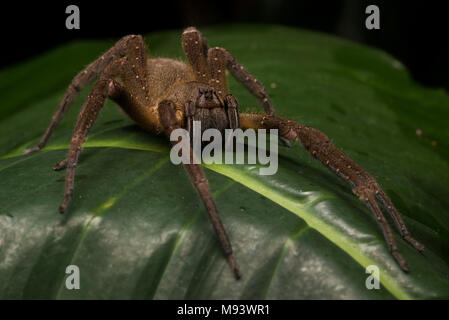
<point>162,95</point>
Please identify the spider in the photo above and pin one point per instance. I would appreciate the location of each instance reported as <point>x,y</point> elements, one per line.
<point>162,94</point>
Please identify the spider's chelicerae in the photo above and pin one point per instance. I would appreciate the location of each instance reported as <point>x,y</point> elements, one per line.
<point>162,94</point>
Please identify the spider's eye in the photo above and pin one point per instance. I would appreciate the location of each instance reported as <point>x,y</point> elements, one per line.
<point>208,99</point>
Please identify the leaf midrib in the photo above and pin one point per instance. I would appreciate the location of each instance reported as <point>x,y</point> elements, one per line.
<point>288,204</point>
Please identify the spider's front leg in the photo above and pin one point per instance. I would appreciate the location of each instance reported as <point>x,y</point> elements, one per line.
<point>363,184</point>
<point>210,64</point>
<point>131,92</point>
<point>131,45</point>
<point>196,174</point>
<point>86,118</point>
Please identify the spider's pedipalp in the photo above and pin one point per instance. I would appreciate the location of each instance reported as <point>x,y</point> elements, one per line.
<point>232,110</point>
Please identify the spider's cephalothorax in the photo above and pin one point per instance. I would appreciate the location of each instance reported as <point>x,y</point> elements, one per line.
<point>162,95</point>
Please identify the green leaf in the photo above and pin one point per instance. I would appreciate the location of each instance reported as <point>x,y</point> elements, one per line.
<point>137,229</point>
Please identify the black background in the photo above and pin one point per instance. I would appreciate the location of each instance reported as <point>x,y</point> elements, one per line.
<point>167,309</point>
<point>414,32</point>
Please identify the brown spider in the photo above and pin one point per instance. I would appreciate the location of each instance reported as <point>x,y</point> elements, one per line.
<point>162,94</point>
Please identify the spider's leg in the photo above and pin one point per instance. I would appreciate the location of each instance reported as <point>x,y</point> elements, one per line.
<point>119,94</point>
<point>224,57</point>
<point>362,183</point>
<point>195,47</point>
<point>196,174</point>
<point>369,199</point>
<point>347,169</point>
<point>85,77</point>
<point>61,165</point>
<point>352,170</point>
<point>86,118</point>
<point>217,66</point>
<point>220,58</point>
<point>400,225</point>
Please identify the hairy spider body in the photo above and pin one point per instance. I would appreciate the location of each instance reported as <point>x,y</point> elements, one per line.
<point>176,83</point>
<point>162,95</point>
